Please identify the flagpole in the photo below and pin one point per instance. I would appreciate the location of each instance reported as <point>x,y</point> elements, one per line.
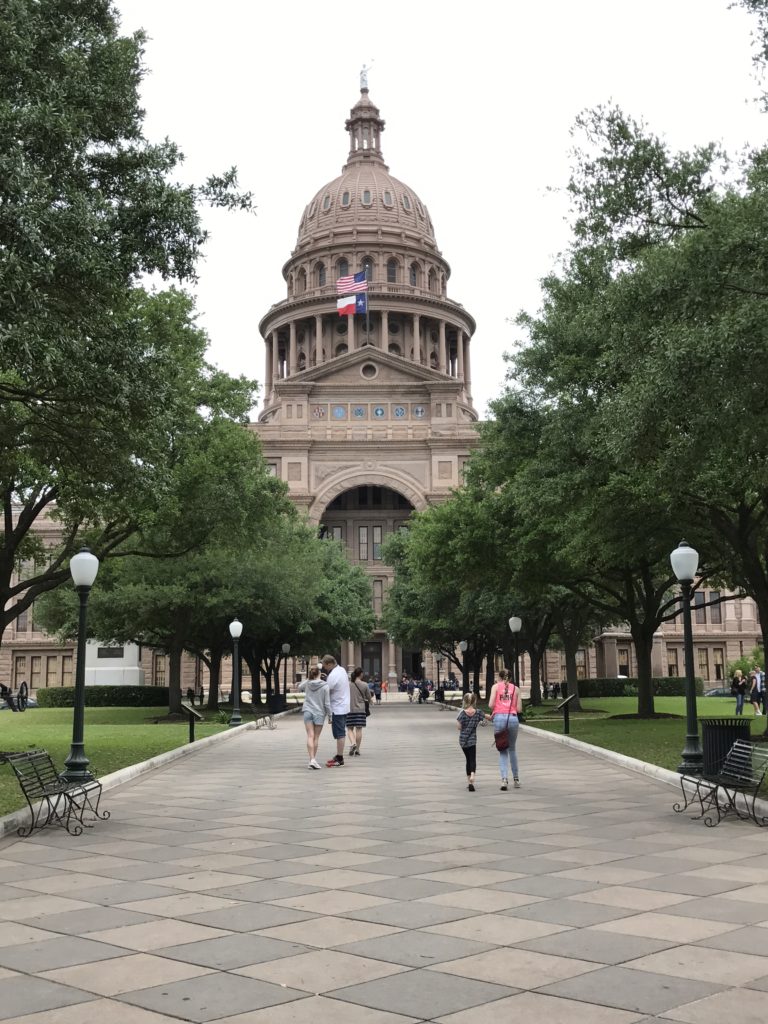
<point>367,307</point>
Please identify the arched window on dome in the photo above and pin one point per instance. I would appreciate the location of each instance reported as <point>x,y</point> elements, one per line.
<point>341,348</point>
<point>342,267</point>
<point>320,274</point>
<point>406,202</point>
<point>290,284</point>
<point>368,268</point>
<point>301,282</point>
<point>302,361</point>
<point>442,284</point>
<point>345,199</point>
<point>394,349</point>
<point>326,203</point>
<point>367,198</point>
<point>387,199</point>
<point>432,280</point>
<point>392,271</point>
<point>413,275</point>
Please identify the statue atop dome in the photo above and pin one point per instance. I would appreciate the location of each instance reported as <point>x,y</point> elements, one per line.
<point>364,76</point>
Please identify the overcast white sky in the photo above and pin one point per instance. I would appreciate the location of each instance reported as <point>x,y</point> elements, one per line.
<point>478,99</point>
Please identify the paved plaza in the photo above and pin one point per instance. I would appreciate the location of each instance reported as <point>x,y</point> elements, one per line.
<point>235,885</point>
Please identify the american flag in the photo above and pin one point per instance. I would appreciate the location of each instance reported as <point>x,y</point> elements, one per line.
<point>352,283</point>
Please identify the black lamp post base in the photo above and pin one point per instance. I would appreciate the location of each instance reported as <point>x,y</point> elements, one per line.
<point>76,769</point>
<point>692,762</point>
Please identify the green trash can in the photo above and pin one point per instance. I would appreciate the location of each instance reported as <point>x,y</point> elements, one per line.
<point>718,736</point>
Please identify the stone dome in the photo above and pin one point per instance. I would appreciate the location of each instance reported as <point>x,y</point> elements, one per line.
<point>365,195</point>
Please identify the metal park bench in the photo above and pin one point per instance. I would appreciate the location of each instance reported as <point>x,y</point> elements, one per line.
<point>733,789</point>
<point>51,799</point>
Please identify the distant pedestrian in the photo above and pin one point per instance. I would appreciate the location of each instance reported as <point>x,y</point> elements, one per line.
<point>504,702</point>
<point>317,707</point>
<point>377,689</point>
<point>739,690</point>
<point>410,687</point>
<point>338,686</point>
<point>359,708</point>
<point>468,720</point>
<point>756,690</point>
<point>384,688</point>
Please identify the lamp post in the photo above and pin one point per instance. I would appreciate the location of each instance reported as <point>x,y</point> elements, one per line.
<point>685,562</point>
<point>83,566</point>
<point>286,652</point>
<point>235,631</point>
<point>438,665</point>
<point>515,625</point>
<point>464,673</point>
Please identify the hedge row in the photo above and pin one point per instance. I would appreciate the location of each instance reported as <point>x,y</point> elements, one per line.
<point>105,697</point>
<point>664,686</point>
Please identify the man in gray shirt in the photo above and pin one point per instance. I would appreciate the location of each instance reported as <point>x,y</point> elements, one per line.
<point>338,685</point>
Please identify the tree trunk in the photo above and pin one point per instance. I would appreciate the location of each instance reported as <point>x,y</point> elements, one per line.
<point>214,673</point>
<point>642,637</point>
<point>535,657</point>
<point>476,663</point>
<point>489,670</point>
<point>174,679</point>
<point>570,647</point>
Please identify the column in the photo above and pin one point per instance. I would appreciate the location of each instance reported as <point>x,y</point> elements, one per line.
<point>267,388</point>
<point>443,357</point>
<point>318,340</point>
<point>351,333</point>
<point>460,354</point>
<point>416,338</point>
<point>292,350</point>
<point>275,358</point>
<point>384,339</point>
<point>467,368</point>
<point>392,659</point>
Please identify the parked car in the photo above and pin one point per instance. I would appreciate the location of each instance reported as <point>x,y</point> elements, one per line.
<point>719,691</point>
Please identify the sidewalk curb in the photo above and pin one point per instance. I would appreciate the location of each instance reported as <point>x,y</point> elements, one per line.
<point>9,823</point>
<point>632,764</point>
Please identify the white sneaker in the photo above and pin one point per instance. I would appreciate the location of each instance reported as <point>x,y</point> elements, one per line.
<point>313,764</point>
<point>517,783</point>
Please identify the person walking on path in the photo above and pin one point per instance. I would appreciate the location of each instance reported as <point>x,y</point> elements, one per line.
<point>739,690</point>
<point>338,686</point>
<point>317,707</point>
<point>468,720</point>
<point>377,689</point>
<point>756,690</point>
<point>359,707</point>
<point>504,703</point>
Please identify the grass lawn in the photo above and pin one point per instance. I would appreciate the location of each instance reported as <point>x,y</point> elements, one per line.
<point>114,738</point>
<point>658,741</point>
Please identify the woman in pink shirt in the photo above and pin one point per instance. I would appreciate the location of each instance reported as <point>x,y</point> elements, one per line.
<point>504,703</point>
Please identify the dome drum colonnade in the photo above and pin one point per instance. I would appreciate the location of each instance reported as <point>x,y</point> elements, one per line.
<point>378,403</point>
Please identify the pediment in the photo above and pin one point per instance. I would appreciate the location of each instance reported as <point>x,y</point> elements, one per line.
<point>346,369</point>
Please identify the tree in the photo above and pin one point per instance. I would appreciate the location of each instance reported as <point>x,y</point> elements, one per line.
<point>93,372</point>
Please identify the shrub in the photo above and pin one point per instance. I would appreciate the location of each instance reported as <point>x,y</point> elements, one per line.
<point>105,697</point>
<point>672,686</point>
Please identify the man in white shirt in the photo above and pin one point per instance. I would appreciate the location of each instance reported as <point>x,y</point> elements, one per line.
<point>338,685</point>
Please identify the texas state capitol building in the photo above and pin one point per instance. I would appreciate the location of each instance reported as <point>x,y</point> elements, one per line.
<point>368,418</point>
<point>366,425</point>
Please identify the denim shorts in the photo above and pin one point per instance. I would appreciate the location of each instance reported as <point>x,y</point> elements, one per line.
<point>339,726</point>
<point>316,717</point>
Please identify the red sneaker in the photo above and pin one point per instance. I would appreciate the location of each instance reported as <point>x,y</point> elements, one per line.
<point>335,762</point>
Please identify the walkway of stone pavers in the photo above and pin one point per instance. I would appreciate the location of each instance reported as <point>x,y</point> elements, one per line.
<point>237,886</point>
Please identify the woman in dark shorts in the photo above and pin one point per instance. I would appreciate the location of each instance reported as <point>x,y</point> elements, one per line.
<point>359,695</point>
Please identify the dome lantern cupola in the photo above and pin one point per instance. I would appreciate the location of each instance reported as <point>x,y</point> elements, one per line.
<point>365,127</point>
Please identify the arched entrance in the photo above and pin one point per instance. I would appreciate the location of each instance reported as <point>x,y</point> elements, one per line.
<point>361,518</point>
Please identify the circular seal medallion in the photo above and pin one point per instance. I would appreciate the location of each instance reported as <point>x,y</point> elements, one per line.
<point>358,412</point>
<point>339,412</point>
<point>378,411</point>
<point>419,412</point>
<point>399,411</point>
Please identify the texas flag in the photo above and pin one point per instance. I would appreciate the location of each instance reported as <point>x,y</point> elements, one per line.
<point>352,304</point>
